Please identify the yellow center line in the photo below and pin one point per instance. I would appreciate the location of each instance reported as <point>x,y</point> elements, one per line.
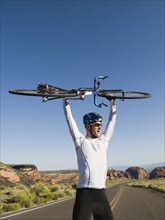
<point>116,198</point>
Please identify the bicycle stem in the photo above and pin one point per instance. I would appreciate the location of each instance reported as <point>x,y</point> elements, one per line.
<point>96,88</point>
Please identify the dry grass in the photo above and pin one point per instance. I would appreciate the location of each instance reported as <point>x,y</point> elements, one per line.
<point>154,184</point>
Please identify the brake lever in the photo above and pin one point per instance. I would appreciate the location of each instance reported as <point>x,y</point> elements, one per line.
<point>104,104</point>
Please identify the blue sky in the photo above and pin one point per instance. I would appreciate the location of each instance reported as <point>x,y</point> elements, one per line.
<point>67,44</point>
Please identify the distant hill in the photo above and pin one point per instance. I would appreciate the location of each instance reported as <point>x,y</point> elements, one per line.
<point>28,174</point>
<point>148,167</point>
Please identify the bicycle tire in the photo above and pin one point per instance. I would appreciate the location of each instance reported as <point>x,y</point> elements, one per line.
<point>122,94</point>
<point>56,94</point>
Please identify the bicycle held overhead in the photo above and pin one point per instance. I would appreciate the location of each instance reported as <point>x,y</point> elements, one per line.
<point>48,92</point>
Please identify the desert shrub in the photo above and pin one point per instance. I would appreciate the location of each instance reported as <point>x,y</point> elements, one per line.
<point>38,188</point>
<point>36,200</point>
<point>21,187</point>
<point>68,192</point>
<point>26,202</point>
<point>62,195</point>
<point>9,192</point>
<point>69,187</point>
<point>55,195</point>
<point>46,194</point>
<point>1,207</point>
<point>42,193</point>
<point>54,188</point>
<point>24,198</point>
<point>2,187</point>
<point>43,200</point>
<point>10,207</point>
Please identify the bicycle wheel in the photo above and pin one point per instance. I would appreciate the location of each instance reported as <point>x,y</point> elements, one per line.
<point>122,94</point>
<point>56,94</point>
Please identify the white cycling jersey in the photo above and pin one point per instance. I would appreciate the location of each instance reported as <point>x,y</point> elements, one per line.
<point>91,153</point>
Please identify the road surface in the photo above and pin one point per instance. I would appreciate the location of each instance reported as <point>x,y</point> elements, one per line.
<point>127,203</point>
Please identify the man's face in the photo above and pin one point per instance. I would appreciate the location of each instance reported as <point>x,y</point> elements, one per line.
<point>95,129</point>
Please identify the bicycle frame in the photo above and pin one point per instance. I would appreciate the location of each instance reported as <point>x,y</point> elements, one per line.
<point>82,94</point>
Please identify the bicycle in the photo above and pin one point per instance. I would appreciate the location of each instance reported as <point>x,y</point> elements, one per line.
<point>49,92</point>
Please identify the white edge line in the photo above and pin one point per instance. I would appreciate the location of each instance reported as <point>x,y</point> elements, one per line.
<point>38,207</point>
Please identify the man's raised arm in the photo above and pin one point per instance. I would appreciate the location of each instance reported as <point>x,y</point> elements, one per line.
<point>74,131</point>
<point>111,121</point>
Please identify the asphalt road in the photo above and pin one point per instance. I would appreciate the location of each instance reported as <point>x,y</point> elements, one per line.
<point>139,204</point>
<point>127,204</point>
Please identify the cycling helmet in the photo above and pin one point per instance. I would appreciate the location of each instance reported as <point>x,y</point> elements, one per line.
<point>92,117</point>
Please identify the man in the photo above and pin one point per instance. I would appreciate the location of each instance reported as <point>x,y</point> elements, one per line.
<point>91,152</point>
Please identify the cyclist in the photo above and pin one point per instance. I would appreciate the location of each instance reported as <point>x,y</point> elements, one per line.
<point>92,163</point>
